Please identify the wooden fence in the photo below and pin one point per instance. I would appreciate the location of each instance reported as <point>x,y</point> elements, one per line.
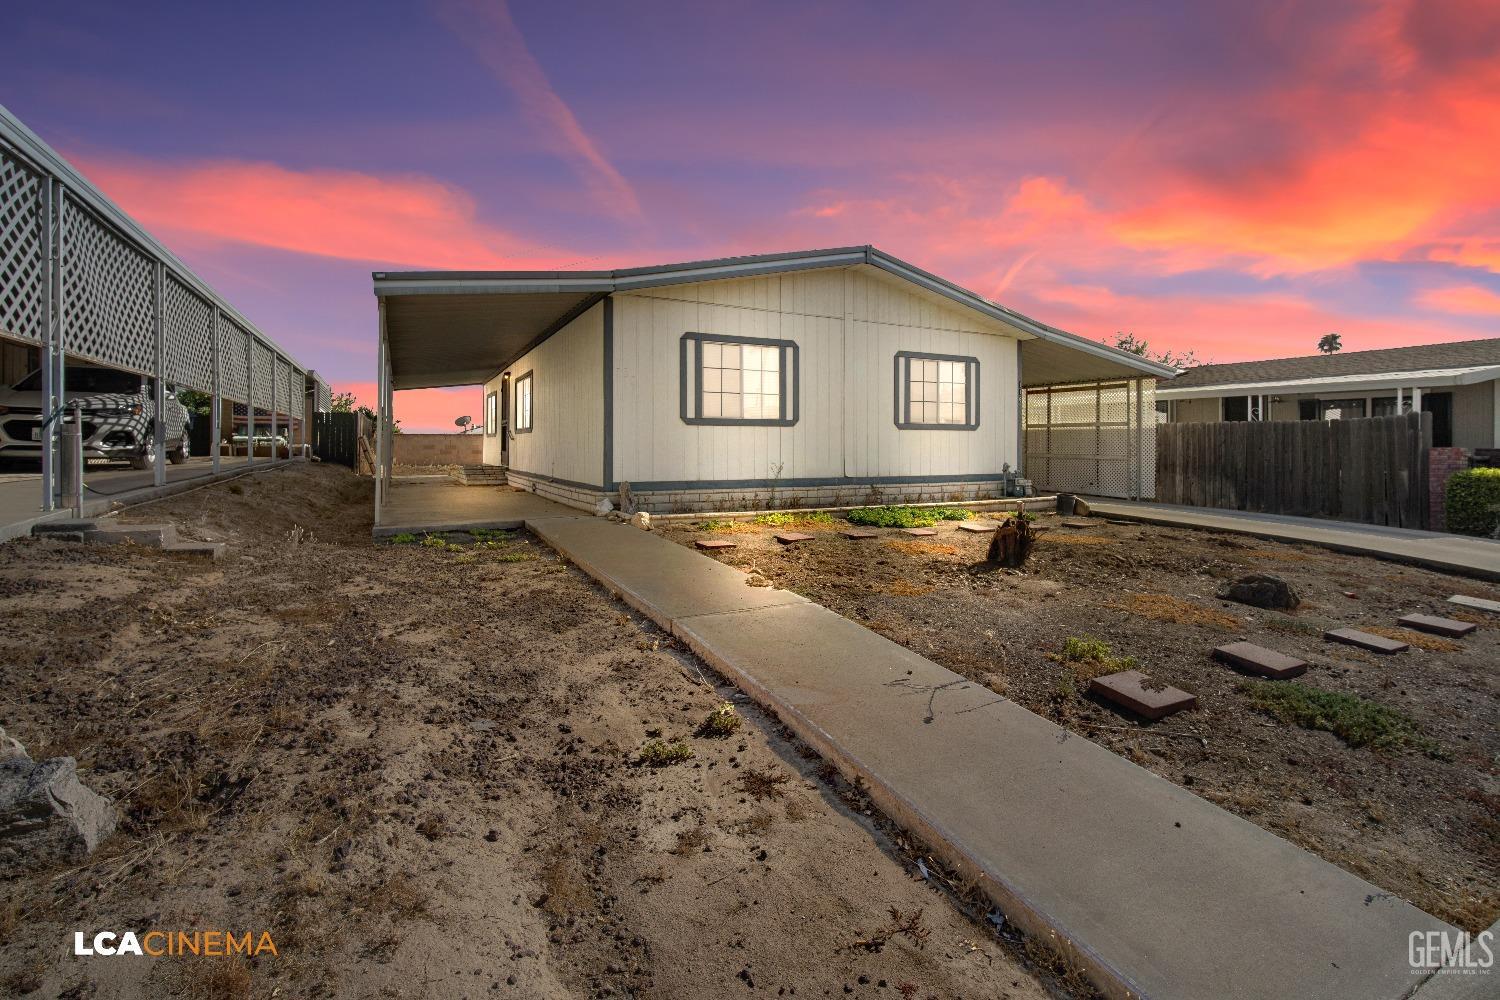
<point>1372,470</point>
<point>335,437</point>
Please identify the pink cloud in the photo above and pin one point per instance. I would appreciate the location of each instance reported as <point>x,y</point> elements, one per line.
<point>1469,300</point>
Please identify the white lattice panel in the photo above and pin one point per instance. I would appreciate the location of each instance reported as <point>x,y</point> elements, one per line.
<point>1095,439</point>
<point>190,350</point>
<point>260,376</point>
<point>233,380</point>
<point>296,393</point>
<point>324,401</point>
<point>22,290</point>
<point>107,294</point>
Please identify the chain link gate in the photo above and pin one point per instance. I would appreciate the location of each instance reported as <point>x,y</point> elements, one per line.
<point>1095,438</point>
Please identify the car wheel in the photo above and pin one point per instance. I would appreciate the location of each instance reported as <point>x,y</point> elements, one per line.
<point>147,458</point>
<point>179,454</point>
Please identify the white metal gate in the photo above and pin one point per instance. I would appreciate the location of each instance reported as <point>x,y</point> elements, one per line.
<point>1094,438</point>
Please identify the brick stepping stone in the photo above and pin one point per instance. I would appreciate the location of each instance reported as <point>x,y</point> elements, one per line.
<point>1475,602</point>
<point>1260,660</point>
<point>788,537</point>
<point>858,533</point>
<point>920,532</point>
<point>1451,627</point>
<point>713,544</point>
<point>978,528</point>
<point>1135,691</point>
<point>1365,640</point>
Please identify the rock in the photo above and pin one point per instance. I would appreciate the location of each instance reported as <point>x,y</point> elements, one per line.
<point>10,747</point>
<point>47,816</point>
<point>1080,507</point>
<point>603,507</point>
<point>627,502</point>
<point>641,519</point>
<point>1261,590</point>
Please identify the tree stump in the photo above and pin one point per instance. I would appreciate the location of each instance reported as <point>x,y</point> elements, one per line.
<point>1012,542</point>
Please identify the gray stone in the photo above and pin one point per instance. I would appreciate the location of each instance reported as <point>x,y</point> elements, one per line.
<point>641,519</point>
<point>64,527</point>
<point>47,816</point>
<point>10,747</point>
<point>151,535</point>
<point>212,551</point>
<point>1261,590</point>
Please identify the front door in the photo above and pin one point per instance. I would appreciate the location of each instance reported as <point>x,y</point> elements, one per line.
<point>505,423</point>
<point>1440,405</point>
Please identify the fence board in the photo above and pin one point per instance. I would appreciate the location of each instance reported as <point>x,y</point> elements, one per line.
<point>1372,470</point>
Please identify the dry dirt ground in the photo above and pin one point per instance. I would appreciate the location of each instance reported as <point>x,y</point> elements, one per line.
<point>417,767</point>
<point>1420,820</point>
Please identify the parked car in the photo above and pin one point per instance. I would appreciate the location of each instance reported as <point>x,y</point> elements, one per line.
<point>118,411</point>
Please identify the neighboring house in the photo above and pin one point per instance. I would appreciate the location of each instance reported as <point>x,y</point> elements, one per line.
<point>1459,384</point>
<point>817,377</point>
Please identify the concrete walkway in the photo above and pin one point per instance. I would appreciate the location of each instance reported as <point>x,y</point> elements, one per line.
<point>426,503</point>
<point>1461,554</point>
<point>1155,892</point>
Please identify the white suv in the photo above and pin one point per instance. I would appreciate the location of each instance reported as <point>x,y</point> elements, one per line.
<point>118,416</point>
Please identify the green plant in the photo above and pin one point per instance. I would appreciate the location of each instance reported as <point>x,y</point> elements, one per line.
<point>658,753</point>
<point>516,557</point>
<point>721,722</point>
<point>404,538</point>
<point>906,517</point>
<point>1090,658</point>
<point>491,534</point>
<point>796,519</point>
<point>1357,721</point>
<point>716,524</point>
<point>1472,500</point>
<point>435,542</point>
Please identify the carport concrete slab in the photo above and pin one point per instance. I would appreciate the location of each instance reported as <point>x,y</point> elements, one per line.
<point>1160,893</point>
<point>425,505</point>
<point>658,577</point>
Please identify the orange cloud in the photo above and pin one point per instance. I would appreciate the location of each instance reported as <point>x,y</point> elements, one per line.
<point>429,411</point>
<point>406,221</point>
<point>1467,299</point>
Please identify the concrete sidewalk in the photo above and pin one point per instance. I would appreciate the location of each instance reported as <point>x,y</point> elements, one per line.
<point>1463,554</point>
<point>1153,891</point>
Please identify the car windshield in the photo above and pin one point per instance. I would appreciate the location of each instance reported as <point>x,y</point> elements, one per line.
<point>87,380</point>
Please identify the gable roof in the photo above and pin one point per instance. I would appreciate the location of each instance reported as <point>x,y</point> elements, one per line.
<point>1423,358</point>
<point>461,327</point>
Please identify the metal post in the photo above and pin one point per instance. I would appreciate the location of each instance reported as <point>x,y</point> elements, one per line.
<point>249,399</point>
<point>217,392</point>
<point>49,348</point>
<point>275,377</point>
<point>159,396</point>
<point>379,419</point>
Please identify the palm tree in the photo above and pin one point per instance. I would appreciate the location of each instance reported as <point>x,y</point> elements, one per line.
<point>1331,343</point>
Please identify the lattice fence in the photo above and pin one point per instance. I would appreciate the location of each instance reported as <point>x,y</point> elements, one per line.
<point>188,322</point>
<point>107,294</point>
<point>22,287</point>
<point>260,376</point>
<point>1097,438</point>
<point>233,380</point>
<point>324,401</point>
<point>295,392</point>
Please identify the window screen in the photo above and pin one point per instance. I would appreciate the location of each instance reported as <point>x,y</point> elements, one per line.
<point>936,392</point>
<point>730,380</point>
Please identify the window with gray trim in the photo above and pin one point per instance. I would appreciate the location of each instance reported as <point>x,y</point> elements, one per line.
<point>738,380</point>
<point>938,392</point>
<point>492,414</point>
<point>523,404</point>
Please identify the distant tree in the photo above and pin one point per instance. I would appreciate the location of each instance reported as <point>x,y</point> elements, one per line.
<point>344,402</point>
<point>195,401</point>
<point>1331,343</point>
<point>1135,345</point>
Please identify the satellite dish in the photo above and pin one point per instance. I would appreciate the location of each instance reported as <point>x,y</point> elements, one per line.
<point>464,421</point>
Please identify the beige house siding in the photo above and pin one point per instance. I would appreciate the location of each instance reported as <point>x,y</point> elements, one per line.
<point>567,437</point>
<point>1474,415</point>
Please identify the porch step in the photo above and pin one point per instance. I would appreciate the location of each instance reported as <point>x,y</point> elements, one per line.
<point>481,475</point>
<point>211,551</point>
<point>153,536</point>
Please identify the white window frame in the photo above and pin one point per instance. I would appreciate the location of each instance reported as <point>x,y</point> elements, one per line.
<point>492,413</point>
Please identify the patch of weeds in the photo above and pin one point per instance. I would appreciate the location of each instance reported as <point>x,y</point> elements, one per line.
<point>721,722</point>
<point>1421,640</point>
<point>659,753</point>
<point>762,784</point>
<point>224,979</point>
<point>1166,608</point>
<point>905,588</point>
<point>1090,658</point>
<point>1067,539</point>
<point>514,557</point>
<point>404,538</point>
<point>237,489</point>
<point>435,542</point>
<point>397,897</point>
<point>914,547</point>
<point>1357,721</point>
<point>491,534</point>
<point>724,526</point>
<point>906,517</point>
<point>901,924</point>
<point>796,519</point>
<point>689,842</point>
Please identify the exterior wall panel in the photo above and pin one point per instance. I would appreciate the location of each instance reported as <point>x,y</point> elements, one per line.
<point>567,437</point>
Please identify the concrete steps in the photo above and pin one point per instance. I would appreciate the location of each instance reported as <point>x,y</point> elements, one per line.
<point>481,475</point>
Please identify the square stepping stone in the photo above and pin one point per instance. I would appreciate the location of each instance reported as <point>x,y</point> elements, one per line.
<point>1135,691</point>
<point>979,528</point>
<point>1365,640</point>
<point>858,533</point>
<point>788,537</point>
<point>920,532</point>
<point>1451,627</point>
<point>713,544</point>
<point>1260,660</point>
<point>1475,602</point>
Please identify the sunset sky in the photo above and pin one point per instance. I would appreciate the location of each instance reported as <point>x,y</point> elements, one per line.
<point>1234,179</point>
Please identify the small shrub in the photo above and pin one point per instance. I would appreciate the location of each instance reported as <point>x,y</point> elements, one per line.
<point>659,753</point>
<point>1472,498</point>
<point>514,557</point>
<point>405,538</point>
<point>435,542</point>
<point>721,722</point>
<point>796,519</point>
<point>906,517</point>
<point>1090,658</point>
<point>1357,721</point>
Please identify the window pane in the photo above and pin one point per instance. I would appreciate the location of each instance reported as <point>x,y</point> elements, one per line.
<point>730,381</point>
<point>711,404</point>
<point>731,405</point>
<point>750,381</point>
<point>731,355</point>
<point>711,355</point>
<point>711,379</point>
<point>960,375</point>
<point>918,391</point>
<point>771,359</point>
<point>945,392</point>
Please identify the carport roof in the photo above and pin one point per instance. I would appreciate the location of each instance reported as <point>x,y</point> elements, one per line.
<point>462,327</point>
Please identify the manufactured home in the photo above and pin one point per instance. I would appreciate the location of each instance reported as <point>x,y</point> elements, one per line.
<point>815,378</point>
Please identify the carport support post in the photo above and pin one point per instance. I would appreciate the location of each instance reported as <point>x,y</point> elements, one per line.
<point>159,394</point>
<point>274,365</point>
<point>379,469</point>
<point>51,319</point>
<point>249,399</point>
<point>216,392</point>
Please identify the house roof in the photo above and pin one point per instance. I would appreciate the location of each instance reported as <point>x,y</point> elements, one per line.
<point>1424,360</point>
<point>461,327</point>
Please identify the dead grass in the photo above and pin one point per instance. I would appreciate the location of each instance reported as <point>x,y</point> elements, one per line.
<point>1066,539</point>
<point>762,784</point>
<point>223,979</point>
<point>1166,608</point>
<point>905,588</point>
<point>913,547</point>
<point>1421,640</point>
<point>690,841</point>
<point>1283,555</point>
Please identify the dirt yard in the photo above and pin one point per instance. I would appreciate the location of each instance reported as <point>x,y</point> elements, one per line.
<point>418,768</point>
<point>1416,811</point>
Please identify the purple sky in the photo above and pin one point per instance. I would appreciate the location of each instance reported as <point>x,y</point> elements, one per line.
<point>1233,179</point>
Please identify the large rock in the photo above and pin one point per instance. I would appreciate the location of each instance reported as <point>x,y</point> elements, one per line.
<point>10,747</point>
<point>1261,590</point>
<point>46,816</point>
